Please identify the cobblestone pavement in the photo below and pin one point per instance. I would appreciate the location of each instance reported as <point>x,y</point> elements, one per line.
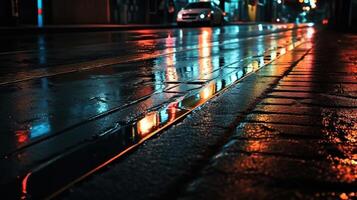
<point>299,142</point>
<point>286,132</point>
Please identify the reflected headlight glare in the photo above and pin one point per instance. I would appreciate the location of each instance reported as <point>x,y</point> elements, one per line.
<point>202,16</point>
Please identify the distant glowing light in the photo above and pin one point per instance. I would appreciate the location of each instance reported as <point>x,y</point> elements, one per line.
<point>39,13</point>
<point>279,1</point>
<point>325,21</point>
<point>310,24</point>
<point>306,8</point>
<point>312,4</point>
<point>278,20</point>
<point>260,27</point>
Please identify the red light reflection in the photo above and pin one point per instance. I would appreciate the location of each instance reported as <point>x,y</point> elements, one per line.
<point>22,136</point>
<point>172,109</point>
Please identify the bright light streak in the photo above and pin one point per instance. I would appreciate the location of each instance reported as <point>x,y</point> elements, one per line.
<point>260,27</point>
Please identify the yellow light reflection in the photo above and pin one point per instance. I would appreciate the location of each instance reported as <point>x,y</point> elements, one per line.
<point>282,51</point>
<point>208,91</point>
<point>255,65</point>
<point>171,74</point>
<point>290,47</point>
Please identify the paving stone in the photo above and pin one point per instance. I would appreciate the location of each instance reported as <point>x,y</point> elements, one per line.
<point>300,141</point>
<point>327,100</point>
<point>267,130</point>
<point>279,101</point>
<point>284,109</point>
<point>322,80</point>
<point>285,119</point>
<point>253,187</point>
<point>163,162</point>
<point>256,176</point>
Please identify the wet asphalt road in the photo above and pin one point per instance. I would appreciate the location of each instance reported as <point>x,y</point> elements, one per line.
<point>58,91</point>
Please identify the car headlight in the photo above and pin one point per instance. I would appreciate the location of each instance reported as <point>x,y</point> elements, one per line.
<point>202,16</point>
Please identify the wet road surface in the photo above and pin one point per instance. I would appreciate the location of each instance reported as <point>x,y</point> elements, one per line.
<point>65,96</point>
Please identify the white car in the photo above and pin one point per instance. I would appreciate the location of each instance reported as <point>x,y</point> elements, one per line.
<point>206,13</point>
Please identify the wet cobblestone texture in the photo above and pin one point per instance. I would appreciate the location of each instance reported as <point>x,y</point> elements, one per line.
<point>299,142</point>
<point>286,132</point>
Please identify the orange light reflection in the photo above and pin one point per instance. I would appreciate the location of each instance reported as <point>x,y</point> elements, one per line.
<point>205,61</point>
<point>146,124</point>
